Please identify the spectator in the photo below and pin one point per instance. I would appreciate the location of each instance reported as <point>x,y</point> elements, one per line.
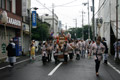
<point>11,53</point>
<point>117,47</point>
<point>105,55</point>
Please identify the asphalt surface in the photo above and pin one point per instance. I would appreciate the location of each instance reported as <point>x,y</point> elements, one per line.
<point>73,70</point>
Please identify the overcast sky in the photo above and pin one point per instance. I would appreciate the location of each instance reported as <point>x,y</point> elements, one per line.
<point>66,10</point>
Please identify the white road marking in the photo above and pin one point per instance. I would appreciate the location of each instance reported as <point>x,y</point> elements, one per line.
<point>4,67</point>
<point>22,61</point>
<point>114,67</point>
<point>53,71</point>
<point>17,63</point>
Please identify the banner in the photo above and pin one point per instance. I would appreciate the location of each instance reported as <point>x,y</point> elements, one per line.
<point>34,20</point>
<point>24,7</point>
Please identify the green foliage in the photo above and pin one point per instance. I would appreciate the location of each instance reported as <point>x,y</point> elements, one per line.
<point>86,27</point>
<point>41,32</point>
<point>78,32</point>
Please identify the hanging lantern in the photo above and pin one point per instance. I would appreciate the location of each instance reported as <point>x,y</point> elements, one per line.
<point>4,17</point>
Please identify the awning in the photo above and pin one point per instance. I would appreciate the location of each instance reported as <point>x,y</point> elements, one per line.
<point>113,24</point>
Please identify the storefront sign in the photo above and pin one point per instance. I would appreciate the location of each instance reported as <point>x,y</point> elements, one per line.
<point>34,20</point>
<point>14,21</point>
<point>24,8</point>
<point>25,27</point>
<point>3,46</point>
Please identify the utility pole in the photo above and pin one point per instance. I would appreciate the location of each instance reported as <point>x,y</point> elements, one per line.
<point>66,27</point>
<point>88,21</point>
<point>117,5</point>
<point>30,21</point>
<point>76,28</point>
<point>52,29</point>
<point>76,23</point>
<point>82,25</point>
<point>29,14</point>
<point>93,20</point>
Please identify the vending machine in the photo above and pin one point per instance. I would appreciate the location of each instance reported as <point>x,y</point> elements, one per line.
<point>18,46</point>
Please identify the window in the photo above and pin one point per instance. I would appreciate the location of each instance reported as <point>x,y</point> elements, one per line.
<point>3,4</point>
<point>14,6</point>
<point>8,5</point>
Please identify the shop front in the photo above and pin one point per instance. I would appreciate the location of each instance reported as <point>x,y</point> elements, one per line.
<point>25,38</point>
<point>13,30</point>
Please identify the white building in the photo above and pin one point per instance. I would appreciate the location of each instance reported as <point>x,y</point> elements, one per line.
<point>49,19</point>
<point>107,12</point>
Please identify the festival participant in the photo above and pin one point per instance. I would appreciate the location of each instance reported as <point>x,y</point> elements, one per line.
<point>55,52</point>
<point>66,47</point>
<point>71,53</point>
<point>44,52</point>
<point>77,50</point>
<point>83,48</point>
<point>98,49</point>
<point>88,47</point>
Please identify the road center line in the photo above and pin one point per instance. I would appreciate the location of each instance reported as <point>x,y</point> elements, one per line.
<point>113,67</point>
<point>53,71</point>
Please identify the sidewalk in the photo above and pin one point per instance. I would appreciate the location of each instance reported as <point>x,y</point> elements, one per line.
<point>19,58</point>
<point>112,62</point>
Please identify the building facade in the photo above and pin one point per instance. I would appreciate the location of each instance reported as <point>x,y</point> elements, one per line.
<point>26,4</point>
<point>108,27</point>
<point>49,19</point>
<point>13,27</point>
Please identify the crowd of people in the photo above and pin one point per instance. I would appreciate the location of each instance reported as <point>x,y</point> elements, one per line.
<point>69,50</point>
<point>72,49</point>
<point>75,49</point>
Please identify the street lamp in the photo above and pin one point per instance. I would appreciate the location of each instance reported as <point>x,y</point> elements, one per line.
<point>29,14</point>
<point>88,18</point>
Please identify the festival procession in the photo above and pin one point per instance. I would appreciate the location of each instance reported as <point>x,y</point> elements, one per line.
<point>59,40</point>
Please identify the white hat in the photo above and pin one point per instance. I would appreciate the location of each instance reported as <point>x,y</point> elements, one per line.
<point>44,42</point>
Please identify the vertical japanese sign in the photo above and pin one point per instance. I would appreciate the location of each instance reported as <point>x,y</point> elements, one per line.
<point>34,20</point>
<point>3,46</point>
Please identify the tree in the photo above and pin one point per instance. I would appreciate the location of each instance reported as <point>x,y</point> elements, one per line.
<point>78,32</point>
<point>41,32</point>
<point>86,27</point>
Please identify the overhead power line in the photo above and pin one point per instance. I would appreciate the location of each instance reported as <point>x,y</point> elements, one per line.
<point>44,5</point>
<point>101,7</point>
<point>61,5</point>
<point>66,3</point>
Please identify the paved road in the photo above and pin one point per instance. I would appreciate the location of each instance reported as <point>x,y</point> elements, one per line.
<point>73,70</point>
